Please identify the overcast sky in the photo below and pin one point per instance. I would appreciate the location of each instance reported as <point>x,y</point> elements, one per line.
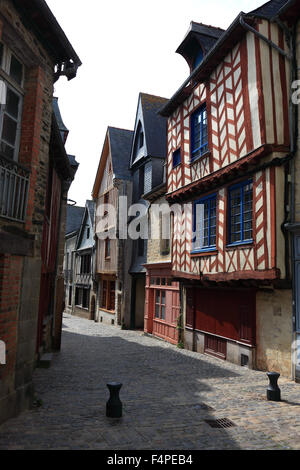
<point>126,47</point>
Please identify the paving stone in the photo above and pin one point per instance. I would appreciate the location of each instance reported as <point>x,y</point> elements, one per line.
<point>167,395</point>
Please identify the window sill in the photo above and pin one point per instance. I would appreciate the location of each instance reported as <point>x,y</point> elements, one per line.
<point>248,243</point>
<point>208,252</point>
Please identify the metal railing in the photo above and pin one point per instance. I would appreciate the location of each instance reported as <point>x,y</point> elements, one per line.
<point>14,185</point>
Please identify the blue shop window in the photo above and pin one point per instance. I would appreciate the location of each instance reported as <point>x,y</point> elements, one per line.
<point>241,213</point>
<point>199,139</point>
<point>205,224</point>
<point>176,157</point>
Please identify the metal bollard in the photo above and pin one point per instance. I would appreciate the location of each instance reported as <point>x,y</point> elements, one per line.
<point>273,391</point>
<point>114,404</point>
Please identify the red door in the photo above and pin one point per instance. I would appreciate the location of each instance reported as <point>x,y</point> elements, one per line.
<point>222,314</point>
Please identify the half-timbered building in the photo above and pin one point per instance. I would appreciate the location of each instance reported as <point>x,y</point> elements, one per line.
<point>228,172</point>
<point>112,189</point>
<point>147,162</point>
<point>83,298</point>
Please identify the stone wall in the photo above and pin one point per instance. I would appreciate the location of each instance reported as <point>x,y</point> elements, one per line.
<point>274,331</point>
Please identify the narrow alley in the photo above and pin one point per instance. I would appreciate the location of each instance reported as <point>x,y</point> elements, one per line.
<point>171,398</point>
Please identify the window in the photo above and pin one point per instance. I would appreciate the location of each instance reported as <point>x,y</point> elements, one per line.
<point>88,233</point>
<point>205,223</point>
<point>176,158</point>
<point>108,295</point>
<point>198,58</point>
<point>160,304</point>
<point>82,297</point>
<point>11,103</point>
<point>107,248</point>
<point>85,264</point>
<point>199,142</point>
<point>241,212</point>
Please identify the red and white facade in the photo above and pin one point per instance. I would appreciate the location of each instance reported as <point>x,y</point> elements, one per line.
<point>246,93</point>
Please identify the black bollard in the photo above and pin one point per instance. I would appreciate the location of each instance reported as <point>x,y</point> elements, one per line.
<point>273,391</point>
<point>114,404</point>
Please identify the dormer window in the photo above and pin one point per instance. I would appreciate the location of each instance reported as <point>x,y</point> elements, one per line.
<point>198,58</point>
<point>141,139</point>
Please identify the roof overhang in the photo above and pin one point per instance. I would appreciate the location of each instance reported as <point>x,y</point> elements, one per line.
<point>38,17</point>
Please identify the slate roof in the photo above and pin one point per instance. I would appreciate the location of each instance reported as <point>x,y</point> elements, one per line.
<point>120,146</point>
<point>207,35</point>
<point>226,41</point>
<point>155,129</point>
<point>268,10</point>
<point>74,217</point>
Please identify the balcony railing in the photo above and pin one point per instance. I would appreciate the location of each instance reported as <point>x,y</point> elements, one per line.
<point>14,185</point>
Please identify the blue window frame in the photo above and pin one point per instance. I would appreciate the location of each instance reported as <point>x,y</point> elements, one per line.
<point>241,213</point>
<point>176,157</point>
<point>199,140</point>
<point>205,224</point>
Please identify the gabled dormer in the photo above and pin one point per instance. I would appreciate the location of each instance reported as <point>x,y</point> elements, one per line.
<point>199,39</point>
<point>85,239</point>
<point>149,145</point>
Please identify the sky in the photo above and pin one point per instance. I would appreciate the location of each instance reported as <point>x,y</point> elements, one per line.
<point>126,47</point>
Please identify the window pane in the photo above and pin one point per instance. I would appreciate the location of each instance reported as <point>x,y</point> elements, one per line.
<point>12,103</point>
<point>206,221</point>
<point>9,130</point>
<point>176,157</point>
<point>16,70</point>
<point>7,150</point>
<point>241,207</point>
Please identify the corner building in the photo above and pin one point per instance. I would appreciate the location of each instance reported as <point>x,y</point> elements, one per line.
<point>228,169</point>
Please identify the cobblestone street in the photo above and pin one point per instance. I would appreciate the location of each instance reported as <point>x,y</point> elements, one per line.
<point>168,395</point>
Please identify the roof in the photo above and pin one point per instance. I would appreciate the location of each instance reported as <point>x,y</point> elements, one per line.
<point>57,113</point>
<point>155,126</point>
<point>120,146</point>
<point>205,34</point>
<point>74,218</point>
<point>118,142</point>
<point>269,9</point>
<point>47,30</point>
<point>215,55</point>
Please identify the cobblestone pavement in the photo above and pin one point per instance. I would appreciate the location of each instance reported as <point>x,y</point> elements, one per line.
<point>168,394</point>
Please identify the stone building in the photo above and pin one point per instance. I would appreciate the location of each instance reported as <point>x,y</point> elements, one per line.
<point>35,174</point>
<point>229,169</point>
<point>112,195</point>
